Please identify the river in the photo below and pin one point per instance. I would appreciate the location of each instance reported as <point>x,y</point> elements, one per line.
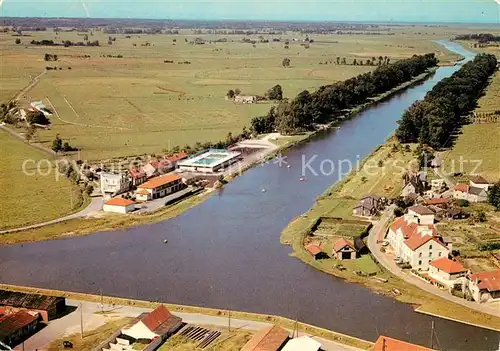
<point>225,252</point>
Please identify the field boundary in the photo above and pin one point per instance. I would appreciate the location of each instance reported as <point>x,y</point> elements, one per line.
<point>282,321</point>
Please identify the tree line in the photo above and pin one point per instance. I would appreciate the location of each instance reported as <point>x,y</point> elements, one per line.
<point>329,101</point>
<point>480,37</point>
<point>434,119</point>
<point>65,43</point>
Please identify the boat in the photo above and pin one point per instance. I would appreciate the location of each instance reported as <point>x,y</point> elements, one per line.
<point>165,241</point>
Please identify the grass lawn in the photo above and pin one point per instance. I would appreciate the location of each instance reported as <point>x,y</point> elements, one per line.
<point>138,104</point>
<point>91,338</point>
<point>29,199</point>
<point>228,341</point>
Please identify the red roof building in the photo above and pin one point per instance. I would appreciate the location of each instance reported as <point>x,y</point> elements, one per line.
<point>17,326</point>
<point>268,339</point>
<point>488,281</point>
<point>448,266</point>
<point>464,188</point>
<point>384,343</point>
<point>437,201</point>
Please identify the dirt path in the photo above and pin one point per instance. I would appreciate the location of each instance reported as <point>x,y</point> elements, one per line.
<point>31,85</point>
<point>20,137</point>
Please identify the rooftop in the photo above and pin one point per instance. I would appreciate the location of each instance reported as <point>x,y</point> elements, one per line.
<point>313,249</point>
<point>209,158</point>
<point>462,187</point>
<point>475,190</point>
<point>156,318</point>
<point>11,323</point>
<point>477,179</point>
<point>119,201</point>
<point>177,157</point>
<point>448,266</point>
<point>303,343</point>
<point>437,201</point>
<point>341,243</point>
<point>416,241</point>
<point>159,181</point>
<point>267,339</point>
<point>385,343</point>
<point>29,301</point>
<point>421,210</point>
<point>487,280</point>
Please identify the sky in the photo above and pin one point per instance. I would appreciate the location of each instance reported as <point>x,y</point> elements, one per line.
<point>431,11</point>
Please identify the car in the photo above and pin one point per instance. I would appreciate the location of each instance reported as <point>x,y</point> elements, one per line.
<point>67,344</point>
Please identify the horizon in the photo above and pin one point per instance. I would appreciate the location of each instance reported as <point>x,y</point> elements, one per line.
<point>316,11</point>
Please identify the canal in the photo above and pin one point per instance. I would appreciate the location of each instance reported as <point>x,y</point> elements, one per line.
<point>225,253</point>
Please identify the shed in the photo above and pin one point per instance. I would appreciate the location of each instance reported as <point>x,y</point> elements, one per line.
<point>268,339</point>
<point>316,252</point>
<point>158,323</point>
<point>343,250</point>
<point>17,326</point>
<point>49,307</point>
<point>119,205</point>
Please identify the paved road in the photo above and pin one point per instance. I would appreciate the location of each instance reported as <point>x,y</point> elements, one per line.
<point>70,324</point>
<point>374,245</point>
<point>94,207</point>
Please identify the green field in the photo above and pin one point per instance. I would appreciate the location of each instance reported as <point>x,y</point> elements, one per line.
<point>30,199</point>
<point>477,148</point>
<point>138,104</point>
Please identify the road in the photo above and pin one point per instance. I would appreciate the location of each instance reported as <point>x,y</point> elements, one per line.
<point>94,207</point>
<point>31,85</point>
<point>374,244</point>
<point>71,324</point>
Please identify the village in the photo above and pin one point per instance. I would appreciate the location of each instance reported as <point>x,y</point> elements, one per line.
<point>39,321</point>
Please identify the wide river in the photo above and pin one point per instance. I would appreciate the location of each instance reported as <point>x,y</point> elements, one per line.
<point>225,253</point>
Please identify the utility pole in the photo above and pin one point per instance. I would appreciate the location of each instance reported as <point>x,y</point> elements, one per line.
<point>102,302</point>
<point>229,319</point>
<point>81,318</point>
<point>71,197</point>
<point>432,335</point>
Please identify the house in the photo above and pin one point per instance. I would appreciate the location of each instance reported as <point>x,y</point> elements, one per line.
<point>368,206</point>
<point>343,250</point>
<point>114,184</point>
<point>413,184</point>
<point>268,339</point>
<point>420,249</point>
<point>316,252</point>
<point>173,159</point>
<point>17,326</point>
<point>119,205</point>
<point>385,343</point>
<point>437,184</point>
<point>159,187</point>
<point>454,213</point>
<point>49,307</point>
<point>470,193</point>
<point>303,343</point>
<point>137,177</point>
<point>151,169</point>
<point>446,271</point>
<point>437,201</point>
<point>158,323</point>
<point>484,286</point>
<point>422,213</point>
<point>479,182</point>
<point>242,99</point>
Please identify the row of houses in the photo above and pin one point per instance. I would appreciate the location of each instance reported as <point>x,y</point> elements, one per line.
<point>417,242</point>
<point>475,191</point>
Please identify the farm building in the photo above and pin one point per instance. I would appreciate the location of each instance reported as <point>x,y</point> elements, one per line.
<point>446,271</point>
<point>49,307</point>
<point>471,192</point>
<point>119,205</point>
<point>40,106</point>
<point>209,161</point>
<point>384,343</point>
<point>17,326</point>
<point>316,252</point>
<point>137,177</point>
<point>484,286</point>
<point>158,323</point>
<point>303,343</point>
<point>159,187</point>
<point>343,250</point>
<point>268,339</point>
<point>243,99</point>
<point>367,206</point>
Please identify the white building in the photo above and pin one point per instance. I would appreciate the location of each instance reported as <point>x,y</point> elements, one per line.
<point>159,187</point>
<point>470,193</point>
<point>158,323</point>
<point>422,214</point>
<point>446,271</point>
<point>242,99</point>
<point>484,286</point>
<point>119,205</point>
<point>209,161</point>
<point>113,184</point>
<point>303,343</point>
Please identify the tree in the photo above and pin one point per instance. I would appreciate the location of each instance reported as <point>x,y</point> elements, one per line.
<point>237,91</point>
<point>230,93</point>
<point>18,41</point>
<point>36,117</point>
<point>275,93</point>
<point>57,144</point>
<point>30,133</point>
<point>89,189</point>
<point>338,60</point>
<point>355,62</point>
<point>286,62</point>
<point>494,196</point>
<point>344,61</point>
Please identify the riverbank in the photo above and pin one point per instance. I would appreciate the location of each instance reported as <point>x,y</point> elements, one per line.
<point>281,321</point>
<point>86,226</point>
<point>338,202</point>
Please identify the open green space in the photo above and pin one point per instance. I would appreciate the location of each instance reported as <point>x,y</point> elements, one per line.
<point>35,194</point>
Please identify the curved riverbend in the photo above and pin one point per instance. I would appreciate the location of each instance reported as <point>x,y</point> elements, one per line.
<point>225,253</point>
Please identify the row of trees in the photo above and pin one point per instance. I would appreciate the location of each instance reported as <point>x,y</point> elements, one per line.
<point>329,101</point>
<point>65,43</point>
<point>434,119</point>
<point>58,145</point>
<point>480,37</point>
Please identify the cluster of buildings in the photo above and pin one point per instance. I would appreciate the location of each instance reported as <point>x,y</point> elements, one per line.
<point>369,206</point>
<point>475,191</point>
<point>342,249</point>
<point>161,178</point>
<point>275,338</point>
<point>22,314</point>
<point>417,243</point>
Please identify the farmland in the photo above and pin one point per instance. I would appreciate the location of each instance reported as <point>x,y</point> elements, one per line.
<point>138,104</point>
<point>25,195</point>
